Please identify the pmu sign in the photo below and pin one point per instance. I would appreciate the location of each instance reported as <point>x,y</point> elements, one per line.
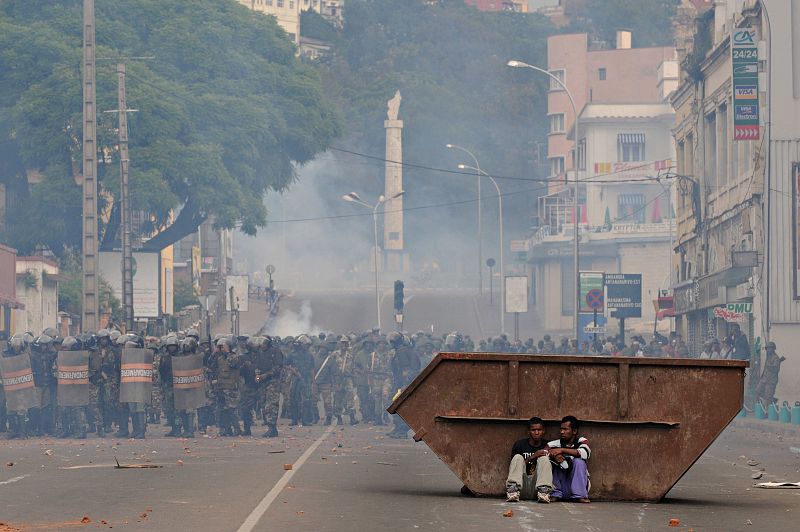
<point>744,61</point>
<point>624,295</point>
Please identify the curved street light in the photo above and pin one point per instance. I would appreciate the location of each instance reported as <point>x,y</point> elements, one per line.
<point>576,300</point>
<point>502,261</point>
<point>353,197</point>
<point>480,218</point>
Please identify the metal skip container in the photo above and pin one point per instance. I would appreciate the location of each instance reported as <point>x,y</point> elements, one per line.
<point>647,419</point>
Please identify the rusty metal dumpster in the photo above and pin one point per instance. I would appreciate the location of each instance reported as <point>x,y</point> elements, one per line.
<point>647,419</point>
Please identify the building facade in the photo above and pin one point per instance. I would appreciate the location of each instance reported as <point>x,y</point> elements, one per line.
<point>517,6</point>
<point>37,281</point>
<point>624,161</point>
<point>287,12</point>
<point>736,255</point>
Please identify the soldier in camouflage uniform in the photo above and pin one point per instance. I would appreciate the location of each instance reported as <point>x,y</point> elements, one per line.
<point>154,409</point>
<point>269,369</point>
<point>171,348</point>
<point>327,376</point>
<point>187,418</point>
<point>16,419</point>
<point>300,365</point>
<point>344,391</point>
<point>362,362</point>
<point>206,414</point>
<point>97,382</point>
<point>380,385</point>
<point>248,391</point>
<point>106,357</point>
<point>224,364</point>
<point>73,418</point>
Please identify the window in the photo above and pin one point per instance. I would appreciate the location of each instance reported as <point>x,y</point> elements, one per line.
<point>582,155</point>
<point>688,163</point>
<point>280,3</point>
<point>710,174</point>
<point>394,235</point>
<point>561,75</point>
<point>630,147</point>
<point>556,166</point>
<point>680,154</point>
<point>291,4</point>
<point>630,208</point>
<point>722,144</point>
<point>557,123</point>
<point>601,73</point>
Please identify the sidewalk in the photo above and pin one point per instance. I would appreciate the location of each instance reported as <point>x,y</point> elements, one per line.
<point>766,426</point>
<point>251,321</point>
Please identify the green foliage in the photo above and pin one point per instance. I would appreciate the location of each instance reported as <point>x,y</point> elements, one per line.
<point>649,20</point>
<point>70,291</point>
<point>183,295</point>
<point>314,26</point>
<point>449,62</point>
<point>226,111</point>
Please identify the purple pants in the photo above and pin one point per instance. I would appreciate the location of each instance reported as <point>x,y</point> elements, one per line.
<point>572,483</point>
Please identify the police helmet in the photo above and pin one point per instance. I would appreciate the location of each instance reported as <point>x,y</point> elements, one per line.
<point>103,333</point>
<point>52,332</point>
<point>114,334</point>
<point>171,340</point>
<point>16,343</point>
<point>71,343</point>
<point>192,333</point>
<point>303,340</point>
<point>189,345</point>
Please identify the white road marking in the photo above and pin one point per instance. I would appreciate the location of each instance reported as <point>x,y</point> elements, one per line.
<point>258,512</point>
<point>12,480</point>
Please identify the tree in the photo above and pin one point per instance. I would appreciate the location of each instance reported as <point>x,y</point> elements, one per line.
<point>227,112</point>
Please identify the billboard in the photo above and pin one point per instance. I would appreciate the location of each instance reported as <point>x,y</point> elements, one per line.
<point>624,295</point>
<point>146,275</point>
<point>517,294</point>
<point>240,285</point>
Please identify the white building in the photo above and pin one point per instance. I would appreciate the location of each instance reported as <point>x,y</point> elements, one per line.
<point>37,289</point>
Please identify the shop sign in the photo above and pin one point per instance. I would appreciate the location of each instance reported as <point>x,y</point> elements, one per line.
<point>734,312</point>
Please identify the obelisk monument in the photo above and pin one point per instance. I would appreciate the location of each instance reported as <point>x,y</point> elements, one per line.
<point>393,245</point>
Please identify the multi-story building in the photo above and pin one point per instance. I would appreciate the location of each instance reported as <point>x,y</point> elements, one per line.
<point>37,290</point>
<point>736,258</point>
<point>624,157</point>
<point>287,12</point>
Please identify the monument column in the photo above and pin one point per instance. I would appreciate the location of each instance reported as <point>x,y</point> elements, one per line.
<point>393,244</point>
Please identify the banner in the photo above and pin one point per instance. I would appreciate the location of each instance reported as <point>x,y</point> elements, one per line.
<point>136,375</point>
<point>624,295</point>
<point>73,378</point>
<point>18,383</point>
<point>188,382</point>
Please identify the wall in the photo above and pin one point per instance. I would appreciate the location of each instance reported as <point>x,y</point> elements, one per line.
<point>41,300</point>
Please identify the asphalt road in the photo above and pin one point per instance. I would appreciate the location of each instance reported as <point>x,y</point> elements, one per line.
<point>352,478</point>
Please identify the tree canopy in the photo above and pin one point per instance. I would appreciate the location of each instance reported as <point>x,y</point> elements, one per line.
<point>226,113</point>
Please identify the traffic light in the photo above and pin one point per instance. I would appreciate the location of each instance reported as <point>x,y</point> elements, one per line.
<point>398,296</point>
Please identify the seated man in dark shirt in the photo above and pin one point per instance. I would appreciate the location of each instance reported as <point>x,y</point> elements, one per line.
<point>530,456</point>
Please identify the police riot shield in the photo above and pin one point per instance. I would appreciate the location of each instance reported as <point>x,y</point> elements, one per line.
<point>188,382</point>
<point>136,376</point>
<point>73,378</point>
<point>18,383</point>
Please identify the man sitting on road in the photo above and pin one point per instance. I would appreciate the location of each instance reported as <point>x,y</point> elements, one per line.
<point>569,454</point>
<point>529,457</point>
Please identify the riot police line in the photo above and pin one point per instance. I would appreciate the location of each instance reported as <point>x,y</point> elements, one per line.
<point>117,383</point>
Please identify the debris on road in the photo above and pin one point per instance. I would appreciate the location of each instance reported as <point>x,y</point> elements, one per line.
<point>508,513</point>
<point>752,462</point>
<point>778,485</point>
<point>756,476</point>
<point>287,467</point>
<point>9,464</point>
<point>674,522</point>
<point>180,462</point>
<point>86,520</point>
<point>279,451</point>
<point>48,452</point>
<point>386,463</point>
<point>136,466</point>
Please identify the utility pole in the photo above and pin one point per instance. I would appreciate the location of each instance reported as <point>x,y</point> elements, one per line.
<point>125,204</point>
<point>90,311</point>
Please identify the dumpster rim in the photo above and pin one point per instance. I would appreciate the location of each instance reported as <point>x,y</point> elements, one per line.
<point>567,359</point>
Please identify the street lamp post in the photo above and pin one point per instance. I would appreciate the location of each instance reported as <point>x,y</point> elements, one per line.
<point>355,198</point>
<point>502,239</point>
<point>576,300</point>
<point>480,217</point>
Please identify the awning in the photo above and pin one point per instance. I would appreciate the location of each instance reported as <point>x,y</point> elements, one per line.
<point>630,138</point>
<point>11,302</point>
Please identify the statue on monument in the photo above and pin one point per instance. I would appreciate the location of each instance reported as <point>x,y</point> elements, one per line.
<point>394,106</point>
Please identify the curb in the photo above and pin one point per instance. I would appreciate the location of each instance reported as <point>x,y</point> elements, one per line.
<point>763,425</point>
